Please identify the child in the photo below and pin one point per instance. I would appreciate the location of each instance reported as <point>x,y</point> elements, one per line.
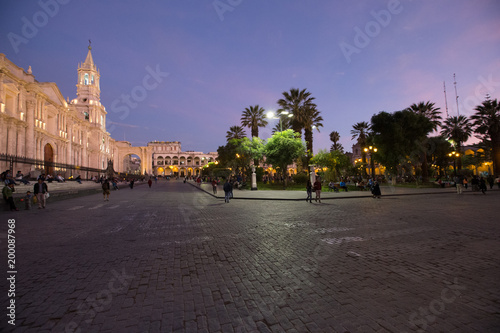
<point>27,200</point>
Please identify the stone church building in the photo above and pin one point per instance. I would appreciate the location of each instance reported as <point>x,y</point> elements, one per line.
<point>43,132</point>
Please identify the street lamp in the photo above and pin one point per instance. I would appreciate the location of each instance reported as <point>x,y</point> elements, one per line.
<point>454,154</point>
<point>371,150</point>
<point>271,115</point>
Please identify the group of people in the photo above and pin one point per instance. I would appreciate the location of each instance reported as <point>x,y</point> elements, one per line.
<point>40,194</point>
<point>317,186</point>
<point>477,183</point>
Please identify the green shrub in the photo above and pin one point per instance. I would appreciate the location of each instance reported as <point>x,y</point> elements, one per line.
<point>300,178</point>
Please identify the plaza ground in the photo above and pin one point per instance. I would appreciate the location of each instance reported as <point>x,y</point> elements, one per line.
<point>174,258</point>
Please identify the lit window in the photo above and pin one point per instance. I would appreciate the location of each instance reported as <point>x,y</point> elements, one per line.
<point>86,79</point>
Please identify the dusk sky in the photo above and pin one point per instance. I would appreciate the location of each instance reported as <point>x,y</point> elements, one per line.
<point>357,58</point>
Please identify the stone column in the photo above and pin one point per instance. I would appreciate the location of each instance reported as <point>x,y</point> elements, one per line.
<point>69,148</point>
<point>2,89</point>
<point>30,128</point>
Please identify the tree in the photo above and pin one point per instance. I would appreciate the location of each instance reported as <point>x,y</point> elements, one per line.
<point>312,120</point>
<point>438,154</point>
<point>428,110</point>
<point>235,132</point>
<point>253,117</point>
<point>333,160</point>
<point>486,122</point>
<point>432,113</point>
<point>458,129</point>
<point>335,138</point>
<point>282,149</point>
<point>398,138</point>
<point>296,102</point>
<point>253,148</point>
<point>361,131</point>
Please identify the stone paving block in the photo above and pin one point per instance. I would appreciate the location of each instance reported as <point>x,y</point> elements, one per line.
<point>269,265</point>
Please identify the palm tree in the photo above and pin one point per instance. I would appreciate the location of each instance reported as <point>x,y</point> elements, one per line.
<point>432,113</point>
<point>428,110</point>
<point>235,132</point>
<point>486,122</point>
<point>458,129</point>
<point>360,131</point>
<point>312,120</point>
<point>253,118</point>
<point>297,102</point>
<point>335,138</point>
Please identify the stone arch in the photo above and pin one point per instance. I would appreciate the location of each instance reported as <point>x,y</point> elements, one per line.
<point>144,156</point>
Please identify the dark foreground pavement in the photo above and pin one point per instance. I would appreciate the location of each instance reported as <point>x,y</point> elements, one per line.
<point>174,259</point>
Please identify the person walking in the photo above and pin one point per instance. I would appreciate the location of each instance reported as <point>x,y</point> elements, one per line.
<point>458,184</point>
<point>491,181</point>
<point>150,182</point>
<point>228,189</point>
<point>465,182</point>
<point>214,186</point>
<point>317,189</point>
<point>40,189</point>
<point>309,189</point>
<point>106,190</point>
<point>131,184</point>
<point>7,191</point>
<point>115,186</point>
<point>482,185</point>
<point>376,190</point>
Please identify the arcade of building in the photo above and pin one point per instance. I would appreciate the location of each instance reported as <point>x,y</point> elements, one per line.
<point>37,123</point>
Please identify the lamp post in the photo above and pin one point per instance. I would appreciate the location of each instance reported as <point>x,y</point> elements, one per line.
<point>454,154</point>
<point>371,150</point>
<point>270,115</point>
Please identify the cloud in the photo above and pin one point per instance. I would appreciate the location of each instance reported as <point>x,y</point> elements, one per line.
<point>125,125</point>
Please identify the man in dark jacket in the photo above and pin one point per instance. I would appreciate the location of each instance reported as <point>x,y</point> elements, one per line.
<point>228,188</point>
<point>40,189</point>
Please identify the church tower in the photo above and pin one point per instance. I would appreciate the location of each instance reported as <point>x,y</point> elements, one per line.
<point>88,88</point>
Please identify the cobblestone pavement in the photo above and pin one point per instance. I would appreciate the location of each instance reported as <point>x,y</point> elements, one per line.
<point>174,259</point>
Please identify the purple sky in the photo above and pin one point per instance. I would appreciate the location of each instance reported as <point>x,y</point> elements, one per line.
<point>356,57</point>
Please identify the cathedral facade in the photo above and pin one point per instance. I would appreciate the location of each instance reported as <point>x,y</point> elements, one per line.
<point>40,126</point>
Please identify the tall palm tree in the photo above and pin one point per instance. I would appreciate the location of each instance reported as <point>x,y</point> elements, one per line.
<point>432,113</point>
<point>361,131</point>
<point>235,132</point>
<point>297,102</point>
<point>428,110</point>
<point>486,121</point>
<point>312,120</point>
<point>458,129</point>
<point>335,138</point>
<point>253,117</point>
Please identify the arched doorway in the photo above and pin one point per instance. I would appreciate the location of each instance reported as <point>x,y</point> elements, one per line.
<point>132,164</point>
<point>48,159</point>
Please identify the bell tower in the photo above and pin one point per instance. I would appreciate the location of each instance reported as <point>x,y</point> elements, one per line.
<point>87,88</point>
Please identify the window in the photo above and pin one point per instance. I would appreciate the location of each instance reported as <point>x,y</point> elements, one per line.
<point>86,115</point>
<point>86,79</point>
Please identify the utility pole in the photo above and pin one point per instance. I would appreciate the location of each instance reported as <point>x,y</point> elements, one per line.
<point>456,94</point>
<point>445,100</point>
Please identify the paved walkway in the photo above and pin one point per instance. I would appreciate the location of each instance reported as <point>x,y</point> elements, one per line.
<point>326,195</point>
<point>172,258</point>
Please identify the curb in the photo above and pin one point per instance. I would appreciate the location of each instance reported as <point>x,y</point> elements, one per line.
<point>344,197</point>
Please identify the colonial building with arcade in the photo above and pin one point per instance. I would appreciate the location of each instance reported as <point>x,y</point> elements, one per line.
<point>44,132</point>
